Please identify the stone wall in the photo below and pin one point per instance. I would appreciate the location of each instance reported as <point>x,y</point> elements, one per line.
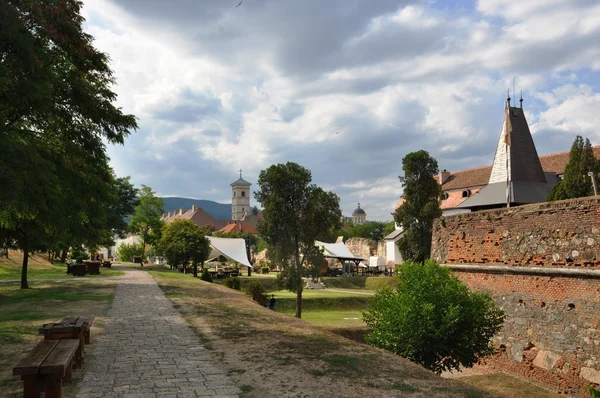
<point>541,264</point>
<point>365,248</point>
<point>551,334</point>
<point>565,233</point>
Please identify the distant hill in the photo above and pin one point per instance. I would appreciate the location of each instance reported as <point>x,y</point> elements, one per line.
<point>219,211</point>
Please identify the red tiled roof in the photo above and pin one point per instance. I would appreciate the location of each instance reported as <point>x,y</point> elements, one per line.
<point>235,227</point>
<point>479,177</point>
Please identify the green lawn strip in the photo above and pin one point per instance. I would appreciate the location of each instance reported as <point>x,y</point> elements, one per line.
<point>360,282</point>
<point>10,272</point>
<point>14,294</point>
<point>321,300</point>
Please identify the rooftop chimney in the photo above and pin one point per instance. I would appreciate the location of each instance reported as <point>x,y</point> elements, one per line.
<point>193,207</point>
<point>168,214</point>
<point>181,211</point>
<point>443,176</point>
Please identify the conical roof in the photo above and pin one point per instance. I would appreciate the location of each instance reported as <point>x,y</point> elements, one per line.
<point>240,181</point>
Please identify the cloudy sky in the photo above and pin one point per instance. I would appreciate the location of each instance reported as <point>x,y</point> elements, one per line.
<point>345,88</point>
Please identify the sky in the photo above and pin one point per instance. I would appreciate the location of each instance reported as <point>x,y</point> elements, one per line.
<point>346,88</point>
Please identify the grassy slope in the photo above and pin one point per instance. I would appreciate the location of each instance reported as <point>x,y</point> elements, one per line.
<point>255,344</point>
<point>22,312</point>
<point>40,268</point>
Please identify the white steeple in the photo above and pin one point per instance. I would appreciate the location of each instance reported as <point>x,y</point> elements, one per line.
<point>240,198</point>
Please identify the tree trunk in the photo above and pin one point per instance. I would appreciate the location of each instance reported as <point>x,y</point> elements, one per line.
<point>63,256</point>
<point>24,284</point>
<point>195,270</point>
<point>300,286</point>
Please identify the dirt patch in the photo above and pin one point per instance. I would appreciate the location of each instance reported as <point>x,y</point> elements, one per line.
<point>268,354</point>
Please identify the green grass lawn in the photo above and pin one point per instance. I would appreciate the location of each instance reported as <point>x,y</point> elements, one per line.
<point>55,271</point>
<point>22,313</point>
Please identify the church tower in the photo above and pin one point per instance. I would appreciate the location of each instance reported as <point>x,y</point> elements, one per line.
<point>240,198</point>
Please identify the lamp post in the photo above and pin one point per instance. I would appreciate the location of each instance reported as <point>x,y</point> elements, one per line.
<point>593,177</point>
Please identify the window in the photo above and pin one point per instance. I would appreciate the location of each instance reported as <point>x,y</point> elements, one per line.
<point>243,193</point>
<point>243,210</point>
<point>445,196</point>
<point>466,193</point>
<point>234,194</point>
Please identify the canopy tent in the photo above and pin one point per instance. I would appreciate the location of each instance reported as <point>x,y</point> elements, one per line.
<point>232,248</point>
<point>341,252</point>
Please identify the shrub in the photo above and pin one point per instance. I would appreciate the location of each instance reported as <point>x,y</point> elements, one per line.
<point>78,253</point>
<point>206,276</point>
<point>433,319</point>
<point>256,290</point>
<point>126,251</point>
<point>233,283</point>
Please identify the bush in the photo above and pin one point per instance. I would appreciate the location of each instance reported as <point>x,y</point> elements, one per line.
<point>433,319</point>
<point>78,253</point>
<point>256,290</point>
<point>206,276</point>
<point>233,283</point>
<point>126,251</point>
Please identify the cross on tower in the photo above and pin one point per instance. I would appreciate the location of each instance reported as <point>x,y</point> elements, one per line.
<point>240,173</point>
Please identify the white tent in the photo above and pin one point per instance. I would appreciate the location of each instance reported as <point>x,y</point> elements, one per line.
<point>377,261</point>
<point>232,248</point>
<point>341,252</point>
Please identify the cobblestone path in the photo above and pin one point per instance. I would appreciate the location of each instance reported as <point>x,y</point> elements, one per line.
<point>148,350</point>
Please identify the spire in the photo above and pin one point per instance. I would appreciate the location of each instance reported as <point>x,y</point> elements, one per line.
<point>508,98</point>
<point>359,205</point>
<point>521,100</point>
<point>240,173</point>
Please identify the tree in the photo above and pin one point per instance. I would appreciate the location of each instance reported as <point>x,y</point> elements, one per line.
<point>56,114</point>
<point>296,213</point>
<point>576,182</point>
<point>421,205</point>
<point>145,220</point>
<point>182,243</point>
<point>433,319</point>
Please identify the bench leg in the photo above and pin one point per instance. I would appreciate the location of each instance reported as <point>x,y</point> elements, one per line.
<point>29,390</point>
<point>79,355</point>
<point>69,372</point>
<point>54,386</point>
<point>87,336</point>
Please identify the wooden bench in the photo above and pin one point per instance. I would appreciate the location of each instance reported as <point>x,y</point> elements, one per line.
<point>93,267</point>
<point>107,264</point>
<point>86,321</point>
<point>44,368</point>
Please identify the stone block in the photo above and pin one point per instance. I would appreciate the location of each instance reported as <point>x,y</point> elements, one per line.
<point>546,359</point>
<point>590,374</point>
<point>516,352</point>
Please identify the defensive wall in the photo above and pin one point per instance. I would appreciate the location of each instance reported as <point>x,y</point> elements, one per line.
<point>541,264</point>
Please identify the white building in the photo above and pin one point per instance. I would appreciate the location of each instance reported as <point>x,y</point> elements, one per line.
<point>240,198</point>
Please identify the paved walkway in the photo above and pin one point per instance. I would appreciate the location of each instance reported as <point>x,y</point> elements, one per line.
<point>148,350</point>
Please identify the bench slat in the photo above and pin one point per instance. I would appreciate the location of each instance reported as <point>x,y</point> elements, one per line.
<point>69,319</point>
<point>60,357</point>
<point>87,319</point>
<point>30,364</point>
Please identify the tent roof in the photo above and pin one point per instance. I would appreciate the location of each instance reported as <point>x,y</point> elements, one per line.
<point>232,248</point>
<point>338,250</point>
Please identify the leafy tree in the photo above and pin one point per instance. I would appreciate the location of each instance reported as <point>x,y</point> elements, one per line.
<point>254,211</point>
<point>421,207</point>
<point>126,251</point>
<point>182,243</point>
<point>576,182</point>
<point>145,220</point>
<point>296,213</point>
<point>389,228</point>
<point>433,319</point>
<point>56,114</point>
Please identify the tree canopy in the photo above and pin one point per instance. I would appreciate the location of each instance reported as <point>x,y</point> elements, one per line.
<point>145,220</point>
<point>433,319</point>
<point>576,182</point>
<point>182,243</point>
<point>421,205</point>
<point>296,213</point>
<point>56,114</point>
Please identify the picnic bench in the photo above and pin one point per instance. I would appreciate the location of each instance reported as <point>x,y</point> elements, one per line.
<point>93,267</point>
<point>44,368</point>
<point>71,328</point>
<point>107,264</point>
<point>77,269</point>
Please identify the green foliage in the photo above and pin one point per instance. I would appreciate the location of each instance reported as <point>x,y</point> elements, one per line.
<point>576,182</point>
<point>145,220</point>
<point>183,243</point>
<point>296,213</point>
<point>421,206</point>
<point>126,251</point>
<point>56,115</point>
<point>433,319</point>
<point>256,290</point>
<point>593,392</point>
<point>78,253</point>
<point>206,277</point>
<point>373,230</point>
<point>233,283</point>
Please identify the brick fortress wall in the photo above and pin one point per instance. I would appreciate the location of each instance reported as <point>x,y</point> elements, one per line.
<point>541,264</point>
